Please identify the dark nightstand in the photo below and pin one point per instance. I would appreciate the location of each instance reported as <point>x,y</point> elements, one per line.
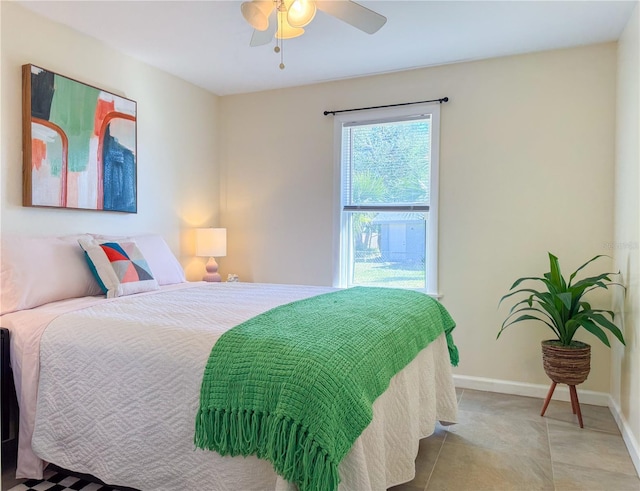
<point>9,416</point>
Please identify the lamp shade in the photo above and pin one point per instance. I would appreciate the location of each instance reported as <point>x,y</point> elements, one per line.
<point>257,12</point>
<point>285,31</point>
<point>211,242</point>
<point>301,12</point>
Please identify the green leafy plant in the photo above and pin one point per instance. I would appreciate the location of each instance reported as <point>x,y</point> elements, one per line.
<point>560,304</point>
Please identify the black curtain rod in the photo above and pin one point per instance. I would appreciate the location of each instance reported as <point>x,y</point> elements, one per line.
<point>326,113</point>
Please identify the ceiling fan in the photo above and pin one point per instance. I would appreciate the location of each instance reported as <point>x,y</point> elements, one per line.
<point>285,19</point>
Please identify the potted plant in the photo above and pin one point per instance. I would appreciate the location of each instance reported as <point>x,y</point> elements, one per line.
<point>560,305</point>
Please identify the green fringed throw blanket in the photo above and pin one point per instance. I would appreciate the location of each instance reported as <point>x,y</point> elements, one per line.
<point>295,385</point>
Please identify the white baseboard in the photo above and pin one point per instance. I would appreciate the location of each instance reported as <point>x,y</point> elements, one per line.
<point>562,394</point>
<point>628,437</point>
<point>529,390</point>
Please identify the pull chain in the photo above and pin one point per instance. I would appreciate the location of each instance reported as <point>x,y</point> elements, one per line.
<point>282,54</point>
<point>280,41</point>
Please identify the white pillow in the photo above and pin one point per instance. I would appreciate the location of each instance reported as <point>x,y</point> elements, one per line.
<point>39,270</point>
<point>165,267</point>
<point>119,267</point>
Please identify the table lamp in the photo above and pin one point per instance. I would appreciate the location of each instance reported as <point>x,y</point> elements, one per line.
<point>211,242</point>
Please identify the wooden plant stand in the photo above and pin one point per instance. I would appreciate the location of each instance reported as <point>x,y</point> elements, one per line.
<point>575,403</point>
<point>566,365</point>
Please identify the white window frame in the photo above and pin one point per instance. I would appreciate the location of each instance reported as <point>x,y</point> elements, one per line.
<point>340,232</point>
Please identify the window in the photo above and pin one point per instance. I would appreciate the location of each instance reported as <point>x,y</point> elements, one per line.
<point>388,168</point>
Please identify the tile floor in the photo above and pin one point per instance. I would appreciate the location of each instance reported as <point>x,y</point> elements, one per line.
<point>501,443</point>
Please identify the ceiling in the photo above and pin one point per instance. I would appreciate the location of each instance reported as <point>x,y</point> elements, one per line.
<point>207,42</point>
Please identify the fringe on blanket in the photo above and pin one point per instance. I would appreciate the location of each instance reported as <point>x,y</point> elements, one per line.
<point>454,355</point>
<point>285,443</point>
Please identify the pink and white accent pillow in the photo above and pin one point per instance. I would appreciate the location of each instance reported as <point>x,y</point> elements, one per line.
<point>119,267</point>
<point>165,268</point>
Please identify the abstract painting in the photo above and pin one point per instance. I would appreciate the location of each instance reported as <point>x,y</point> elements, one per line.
<point>79,144</point>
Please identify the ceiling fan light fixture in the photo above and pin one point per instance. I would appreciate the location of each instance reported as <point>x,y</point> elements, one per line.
<point>301,12</point>
<point>257,12</point>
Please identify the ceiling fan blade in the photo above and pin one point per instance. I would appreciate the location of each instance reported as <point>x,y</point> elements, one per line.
<point>260,38</point>
<point>355,14</point>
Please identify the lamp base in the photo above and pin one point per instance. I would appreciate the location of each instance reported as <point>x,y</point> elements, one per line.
<point>212,271</point>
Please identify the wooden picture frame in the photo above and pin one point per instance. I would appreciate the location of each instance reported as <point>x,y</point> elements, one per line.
<point>79,144</point>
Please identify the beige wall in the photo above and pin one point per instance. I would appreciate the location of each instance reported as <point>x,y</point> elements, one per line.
<point>177,172</point>
<point>625,380</point>
<point>527,156</point>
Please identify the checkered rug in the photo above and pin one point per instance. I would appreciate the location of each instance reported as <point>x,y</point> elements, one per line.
<point>60,481</point>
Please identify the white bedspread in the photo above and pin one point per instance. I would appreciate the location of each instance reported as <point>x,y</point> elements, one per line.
<point>119,387</point>
<point>26,328</point>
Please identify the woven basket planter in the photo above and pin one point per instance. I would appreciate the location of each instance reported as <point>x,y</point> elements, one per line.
<point>566,364</point>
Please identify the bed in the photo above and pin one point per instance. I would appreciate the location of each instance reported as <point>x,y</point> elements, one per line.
<point>110,386</point>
